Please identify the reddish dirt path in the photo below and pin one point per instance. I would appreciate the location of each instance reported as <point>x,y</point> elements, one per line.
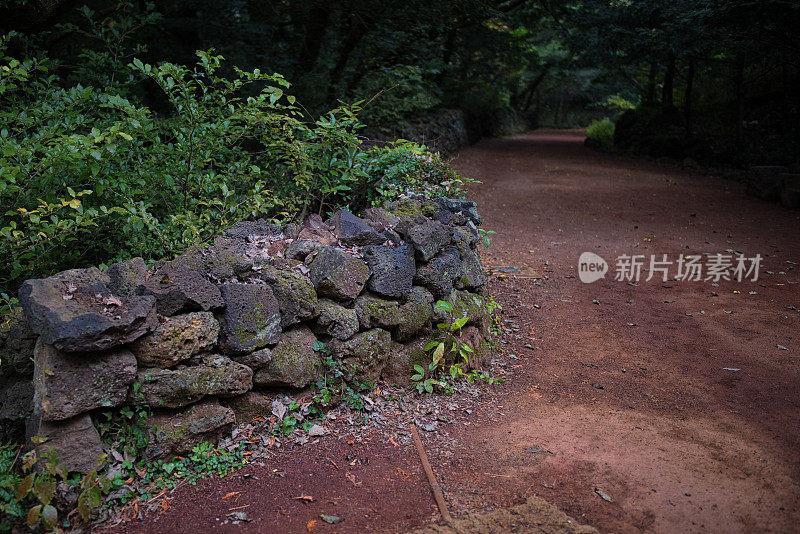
<point>678,443</point>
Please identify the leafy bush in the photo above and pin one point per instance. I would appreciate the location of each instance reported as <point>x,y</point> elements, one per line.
<point>88,176</point>
<point>600,133</point>
<point>404,167</point>
<point>10,508</point>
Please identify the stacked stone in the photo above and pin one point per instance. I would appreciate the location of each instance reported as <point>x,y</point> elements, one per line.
<point>192,337</point>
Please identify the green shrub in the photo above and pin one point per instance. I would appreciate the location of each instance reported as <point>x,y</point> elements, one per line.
<point>89,177</point>
<point>601,133</point>
<point>402,168</point>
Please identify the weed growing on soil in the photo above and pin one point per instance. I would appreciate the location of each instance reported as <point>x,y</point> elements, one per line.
<point>449,355</point>
<point>34,494</point>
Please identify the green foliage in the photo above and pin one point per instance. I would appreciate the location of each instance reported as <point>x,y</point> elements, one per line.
<point>400,92</point>
<point>10,507</point>
<point>204,460</point>
<point>125,431</point>
<point>405,167</point>
<point>36,484</point>
<point>601,133</point>
<point>89,176</point>
<point>449,352</point>
<point>332,387</point>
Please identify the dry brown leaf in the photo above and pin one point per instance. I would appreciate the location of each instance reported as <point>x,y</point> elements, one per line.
<point>311,524</point>
<point>111,300</point>
<point>231,494</point>
<point>352,479</point>
<point>305,498</point>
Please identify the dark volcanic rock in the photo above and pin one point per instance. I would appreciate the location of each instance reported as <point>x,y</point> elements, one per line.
<point>402,359</point>
<point>229,258</point>
<point>336,321</point>
<point>176,339</point>
<point>471,275</point>
<point>76,441</point>
<point>380,219</point>
<point>440,273</point>
<point>293,363</point>
<point>300,249</point>
<point>467,208</point>
<point>337,274</point>
<point>180,285</point>
<point>314,229</point>
<point>68,384</point>
<point>352,230</point>
<point>172,433</point>
<point>173,388</point>
<point>296,296</point>
<point>392,269</point>
<point>16,400</point>
<point>16,345</point>
<point>249,406</point>
<point>364,355</point>
<point>255,360</point>
<point>373,311</point>
<point>127,276</point>
<point>428,238</point>
<point>245,229</point>
<point>75,311</point>
<point>415,314</point>
<point>251,318</point>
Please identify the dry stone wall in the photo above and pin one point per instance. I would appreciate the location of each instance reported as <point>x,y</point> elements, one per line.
<point>192,337</point>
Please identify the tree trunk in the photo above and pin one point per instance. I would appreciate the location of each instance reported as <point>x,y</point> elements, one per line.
<point>316,28</point>
<point>669,84</point>
<point>739,84</point>
<point>532,89</point>
<point>650,94</point>
<point>687,100</point>
<point>357,32</point>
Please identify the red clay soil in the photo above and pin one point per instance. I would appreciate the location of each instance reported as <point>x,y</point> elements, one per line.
<point>625,393</point>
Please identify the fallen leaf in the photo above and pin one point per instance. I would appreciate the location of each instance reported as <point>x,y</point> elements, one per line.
<point>316,430</point>
<point>111,300</point>
<point>231,494</point>
<point>311,524</point>
<point>278,409</point>
<point>305,498</point>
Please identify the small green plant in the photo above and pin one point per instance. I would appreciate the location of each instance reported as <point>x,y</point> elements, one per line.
<point>10,507</point>
<point>333,386</point>
<point>452,353</point>
<point>203,460</point>
<point>448,348</point>
<point>601,133</point>
<point>38,488</point>
<point>405,167</point>
<point>124,430</point>
<point>484,236</point>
